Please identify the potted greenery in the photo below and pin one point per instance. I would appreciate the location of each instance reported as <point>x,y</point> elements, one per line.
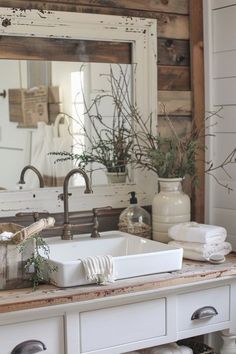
<point>110,148</point>
<point>104,143</point>
<point>172,157</point>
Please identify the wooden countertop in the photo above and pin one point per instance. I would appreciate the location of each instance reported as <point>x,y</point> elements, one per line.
<point>48,295</point>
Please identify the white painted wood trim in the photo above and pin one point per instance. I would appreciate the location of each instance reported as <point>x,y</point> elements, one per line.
<point>218,4</point>
<point>207,28</point>
<point>142,33</point>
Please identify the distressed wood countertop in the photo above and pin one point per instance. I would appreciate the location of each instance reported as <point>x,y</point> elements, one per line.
<point>48,295</point>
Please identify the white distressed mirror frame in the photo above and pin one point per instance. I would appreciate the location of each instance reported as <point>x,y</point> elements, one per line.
<point>142,34</point>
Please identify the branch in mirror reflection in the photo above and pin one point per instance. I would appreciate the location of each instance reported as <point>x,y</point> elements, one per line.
<point>105,140</point>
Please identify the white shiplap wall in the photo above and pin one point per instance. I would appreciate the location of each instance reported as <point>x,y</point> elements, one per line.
<point>220,74</point>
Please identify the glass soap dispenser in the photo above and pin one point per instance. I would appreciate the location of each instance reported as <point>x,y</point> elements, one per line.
<point>135,219</point>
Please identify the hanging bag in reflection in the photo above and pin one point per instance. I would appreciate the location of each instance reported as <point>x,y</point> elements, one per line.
<point>47,139</point>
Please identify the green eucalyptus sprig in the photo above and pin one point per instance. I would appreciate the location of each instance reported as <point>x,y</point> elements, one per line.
<point>37,261</point>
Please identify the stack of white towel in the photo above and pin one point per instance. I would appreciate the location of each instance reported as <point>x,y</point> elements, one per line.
<point>199,241</point>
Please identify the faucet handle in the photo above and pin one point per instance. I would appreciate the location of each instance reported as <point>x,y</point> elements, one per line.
<point>95,233</point>
<point>96,210</point>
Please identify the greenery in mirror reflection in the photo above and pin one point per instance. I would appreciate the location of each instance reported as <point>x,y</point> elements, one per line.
<point>108,142</point>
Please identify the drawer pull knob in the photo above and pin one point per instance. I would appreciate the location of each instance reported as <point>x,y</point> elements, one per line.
<point>29,347</point>
<point>204,312</point>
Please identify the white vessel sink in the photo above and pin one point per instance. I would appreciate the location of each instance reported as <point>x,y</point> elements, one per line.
<point>133,256</point>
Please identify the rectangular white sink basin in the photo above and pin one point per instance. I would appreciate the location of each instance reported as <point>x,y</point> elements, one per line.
<point>133,256</point>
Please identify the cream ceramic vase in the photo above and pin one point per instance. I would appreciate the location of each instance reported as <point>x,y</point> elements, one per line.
<point>170,206</point>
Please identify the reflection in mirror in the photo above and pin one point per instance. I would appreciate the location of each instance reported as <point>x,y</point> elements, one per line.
<point>31,125</point>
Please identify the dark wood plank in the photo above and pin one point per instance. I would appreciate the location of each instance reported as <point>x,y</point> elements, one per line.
<point>197,75</point>
<point>64,50</point>
<point>171,6</point>
<point>174,78</point>
<point>173,52</point>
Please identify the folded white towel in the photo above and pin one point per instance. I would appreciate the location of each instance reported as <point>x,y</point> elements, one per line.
<point>201,252</point>
<point>99,269</point>
<point>194,232</point>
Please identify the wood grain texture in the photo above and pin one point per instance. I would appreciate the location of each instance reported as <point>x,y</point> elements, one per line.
<point>176,103</point>
<point>173,52</point>
<point>182,125</point>
<point>174,78</point>
<point>3,268</point>
<point>64,50</point>
<point>198,104</point>
<point>46,295</point>
<point>172,26</point>
<point>171,6</point>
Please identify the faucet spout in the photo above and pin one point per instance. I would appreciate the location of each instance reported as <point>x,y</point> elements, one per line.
<point>67,233</point>
<point>36,171</point>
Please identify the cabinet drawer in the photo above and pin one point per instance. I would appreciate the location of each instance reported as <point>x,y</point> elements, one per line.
<point>50,331</point>
<point>106,328</point>
<point>203,308</point>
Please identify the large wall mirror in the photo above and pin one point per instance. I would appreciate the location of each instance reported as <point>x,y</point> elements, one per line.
<point>71,55</point>
<point>47,110</point>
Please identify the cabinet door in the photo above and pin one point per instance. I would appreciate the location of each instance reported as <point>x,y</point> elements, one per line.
<point>49,331</point>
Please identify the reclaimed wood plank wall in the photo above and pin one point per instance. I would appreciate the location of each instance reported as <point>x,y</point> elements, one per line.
<point>175,87</point>
<point>173,37</point>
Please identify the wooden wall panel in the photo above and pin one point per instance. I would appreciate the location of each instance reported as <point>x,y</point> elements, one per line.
<point>173,52</point>
<point>69,50</point>
<point>172,26</point>
<point>170,6</point>
<point>174,78</point>
<point>177,103</point>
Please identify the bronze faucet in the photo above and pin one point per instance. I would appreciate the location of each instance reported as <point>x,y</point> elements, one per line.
<point>34,169</point>
<point>67,233</point>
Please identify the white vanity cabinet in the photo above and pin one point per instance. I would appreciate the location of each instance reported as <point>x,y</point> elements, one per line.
<point>117,324</point>
<point>46,334</point>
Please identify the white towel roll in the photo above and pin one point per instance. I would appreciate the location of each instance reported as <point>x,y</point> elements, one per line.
<point>200,233</point>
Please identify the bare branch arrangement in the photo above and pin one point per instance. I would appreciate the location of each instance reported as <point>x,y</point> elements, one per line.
<point>134,139</point>
<point>107,142</point>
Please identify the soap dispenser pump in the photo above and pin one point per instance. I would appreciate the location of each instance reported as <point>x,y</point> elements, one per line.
<point>135,219</point>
